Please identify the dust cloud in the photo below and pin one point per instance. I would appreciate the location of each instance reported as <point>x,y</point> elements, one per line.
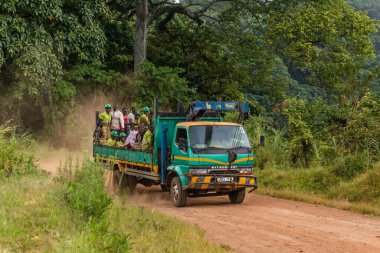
<point>74,139</point>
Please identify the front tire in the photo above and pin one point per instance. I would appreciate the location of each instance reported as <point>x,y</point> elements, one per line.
<point>237,197</point>
<point>177,194</point>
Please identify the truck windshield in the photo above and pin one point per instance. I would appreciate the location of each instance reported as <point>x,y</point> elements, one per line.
<point>218,139</point>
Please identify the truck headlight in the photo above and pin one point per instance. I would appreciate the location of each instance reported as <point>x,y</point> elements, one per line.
<point>198,171</point>
<point>248,170</point>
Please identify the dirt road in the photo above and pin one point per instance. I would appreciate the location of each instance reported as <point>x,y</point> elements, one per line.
<point>265,224</point>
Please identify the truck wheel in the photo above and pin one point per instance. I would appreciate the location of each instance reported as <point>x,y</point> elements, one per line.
<point>119,181</point>
<point>132,182</point>
<point>237,196</point>
<point>177,194</point>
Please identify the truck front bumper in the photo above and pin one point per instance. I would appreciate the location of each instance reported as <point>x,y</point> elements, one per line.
<point>220,182</point>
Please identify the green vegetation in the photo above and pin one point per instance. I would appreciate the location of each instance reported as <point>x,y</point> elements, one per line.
<point>36,219</point>
<point>322,153</point>
<point>54,53</point>
<point>339,169</point>
<point>85,192</point>
<point>16,157</point>
<point>321,186</point>
<point>74,213</point>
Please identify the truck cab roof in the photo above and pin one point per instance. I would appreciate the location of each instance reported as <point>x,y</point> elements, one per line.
<point>205,123</point>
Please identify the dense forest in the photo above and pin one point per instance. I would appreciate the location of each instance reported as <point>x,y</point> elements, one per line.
<point>308,68</point>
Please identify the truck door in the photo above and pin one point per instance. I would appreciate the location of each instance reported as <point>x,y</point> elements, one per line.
<point>180,147</point>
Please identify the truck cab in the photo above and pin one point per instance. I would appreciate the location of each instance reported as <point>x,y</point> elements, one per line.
<point>210,158</point>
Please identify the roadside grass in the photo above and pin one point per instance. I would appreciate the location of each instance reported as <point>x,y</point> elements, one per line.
<point>32,216</point>
<point>146,231</point>
<point>156,232</point>
<point>362,208</point>
<point>39,213</point>
<point>74,213</point>
<point>16,153</point>
<point>318,185</point>
<point>113,226</point>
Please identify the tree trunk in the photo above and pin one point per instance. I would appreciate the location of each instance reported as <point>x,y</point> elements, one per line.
<point>52,110</point>
<point>142,19</point>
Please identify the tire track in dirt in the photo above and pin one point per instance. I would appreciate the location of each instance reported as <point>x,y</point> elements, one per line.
<point>265,224</point>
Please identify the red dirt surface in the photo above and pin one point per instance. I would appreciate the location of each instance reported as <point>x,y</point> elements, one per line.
<point>260,223</point>
<point>265,224</point>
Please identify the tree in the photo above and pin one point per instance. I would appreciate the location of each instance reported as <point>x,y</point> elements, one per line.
<point>328,40</point>
<point>148,12</point>
<point>38,40</point>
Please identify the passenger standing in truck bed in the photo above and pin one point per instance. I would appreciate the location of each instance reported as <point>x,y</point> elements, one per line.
<point>117,121</point>
<point>104,121</point>
<point>144,118</point>
<point>148,139</point>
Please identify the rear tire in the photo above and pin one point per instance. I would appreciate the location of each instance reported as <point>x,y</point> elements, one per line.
<point>177,194</point>
<point>164,187</point>
<point>237,197</point>
<point>132,183</point>
<point>119,181</point>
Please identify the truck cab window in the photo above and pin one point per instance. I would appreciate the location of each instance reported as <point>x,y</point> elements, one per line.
<point>181,139</point>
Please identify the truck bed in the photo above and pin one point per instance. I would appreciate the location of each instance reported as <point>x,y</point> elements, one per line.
<point>133,162</point>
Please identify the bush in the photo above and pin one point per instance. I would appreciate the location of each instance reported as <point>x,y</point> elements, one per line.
<point>351,165</point>
<point>16,154</point>
<point>325,152</point>
<point>262,157</point>
<point>364,188</point>
<point>319,180</point>
<point>281,178</point>
<point>100,238</point>
<point>86,193</point>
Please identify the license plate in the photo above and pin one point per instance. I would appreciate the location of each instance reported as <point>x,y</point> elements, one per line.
<point>225,179</point>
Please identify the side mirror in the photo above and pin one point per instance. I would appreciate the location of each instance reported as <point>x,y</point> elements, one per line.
<point>232,156</point>
<point>262,140</point>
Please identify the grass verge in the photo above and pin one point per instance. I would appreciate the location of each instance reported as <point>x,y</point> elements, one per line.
<point>321,186</point>
<point>363,208</point>
<point>42,214</point>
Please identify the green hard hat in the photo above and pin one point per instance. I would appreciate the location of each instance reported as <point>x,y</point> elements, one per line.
<point>107,106</point>
<point>114,134</point>
<point>146,109</point>
<point>122,134</point>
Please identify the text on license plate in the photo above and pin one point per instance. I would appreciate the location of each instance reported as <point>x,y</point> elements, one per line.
<point>225,179</point>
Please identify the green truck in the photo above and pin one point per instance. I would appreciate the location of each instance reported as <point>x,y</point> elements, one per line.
<point>194,155</point>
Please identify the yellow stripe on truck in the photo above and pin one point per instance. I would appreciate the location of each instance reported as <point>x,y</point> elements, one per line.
<point>194,180</point>
<point>195,159</point>
<point>117,161</point>
<point>206,183</point>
